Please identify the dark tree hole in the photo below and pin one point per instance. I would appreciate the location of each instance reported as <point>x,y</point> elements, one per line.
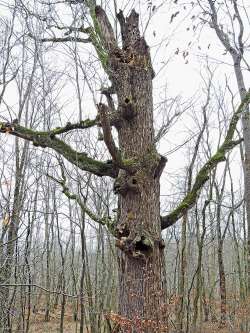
<point>142,247</point>
<point>134,181</point>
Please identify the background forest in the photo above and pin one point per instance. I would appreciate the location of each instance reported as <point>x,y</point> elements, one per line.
<point>58,255</point>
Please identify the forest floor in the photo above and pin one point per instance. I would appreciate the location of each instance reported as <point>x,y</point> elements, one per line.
<point>38,324</point>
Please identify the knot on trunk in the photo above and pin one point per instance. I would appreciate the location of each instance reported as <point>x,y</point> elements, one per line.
<point>139,172</point>
<point>153,163</point>
<point>128,111</point>
<point>125,183</point>
<point>130,58</point>
<point>140,245</point>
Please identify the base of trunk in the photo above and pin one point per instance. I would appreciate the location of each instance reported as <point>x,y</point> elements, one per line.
<point>142,306</point>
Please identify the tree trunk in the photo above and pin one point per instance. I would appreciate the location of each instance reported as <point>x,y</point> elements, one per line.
<point>246,136</point>
<point>48,255</point>
<point>222,279</point>
<point>141,297</point>
<point>182,275</point>
<point>222,276</point>
<point>199,289</point>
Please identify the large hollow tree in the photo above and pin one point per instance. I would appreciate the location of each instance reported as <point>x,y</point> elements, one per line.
<point>136,166</point>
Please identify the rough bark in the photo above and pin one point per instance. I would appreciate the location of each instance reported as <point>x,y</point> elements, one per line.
<point>139,226</point>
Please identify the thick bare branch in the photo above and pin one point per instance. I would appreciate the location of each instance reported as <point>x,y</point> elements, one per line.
<point>49,140</point>
<point>107,134</point>
<point>204,173</point>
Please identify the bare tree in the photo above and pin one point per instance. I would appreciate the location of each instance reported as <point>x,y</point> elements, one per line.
<point>135,165</point>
